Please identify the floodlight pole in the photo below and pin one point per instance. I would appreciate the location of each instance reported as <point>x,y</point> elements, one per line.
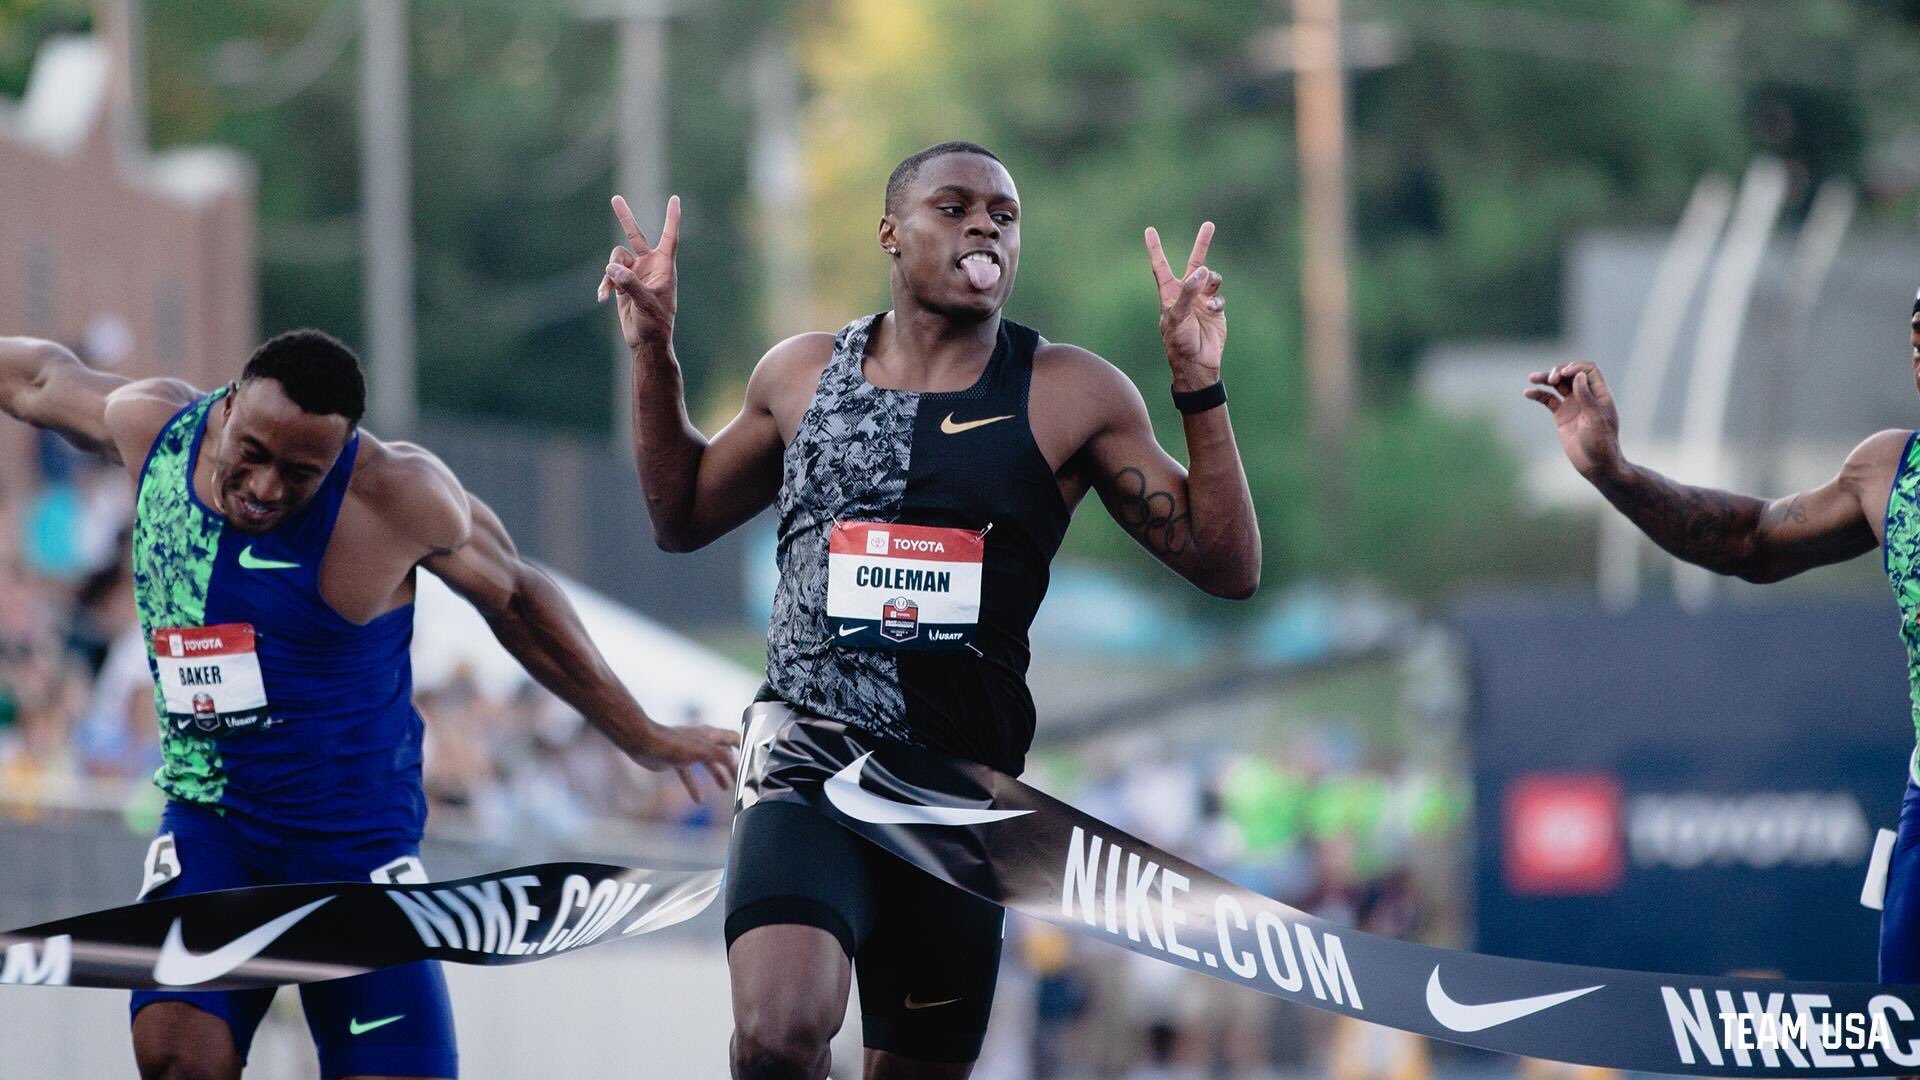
<point>779,193</point>
<point>123,23</point>
<point>640,148</point>
<point>386,216</point>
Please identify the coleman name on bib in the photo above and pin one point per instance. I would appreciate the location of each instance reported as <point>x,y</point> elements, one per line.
<point>893,586</point>
<point>209,677</point>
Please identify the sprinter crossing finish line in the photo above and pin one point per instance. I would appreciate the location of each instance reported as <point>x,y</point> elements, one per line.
<point>924,463</point>
<point>275,546</point>
<point>950,823</point>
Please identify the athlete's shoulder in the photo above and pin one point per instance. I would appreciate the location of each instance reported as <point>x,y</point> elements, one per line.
<point>1082,372</point>
<point>797,355</point>
<point>413,492</point>
<point>1070,358</point>
<point>138,410</point>
<point>1878,457</point>
<point>152,395</point>
<point>790,367</point>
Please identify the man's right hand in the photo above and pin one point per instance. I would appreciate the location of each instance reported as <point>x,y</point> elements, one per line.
<point>642,278</point>
<point>1583,412</point>
<point>685,749</point>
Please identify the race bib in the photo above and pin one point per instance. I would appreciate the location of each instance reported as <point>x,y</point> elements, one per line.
<point>892,586</point>
<point>210,678</point>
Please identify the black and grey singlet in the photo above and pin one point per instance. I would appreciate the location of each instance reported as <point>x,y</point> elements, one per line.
<point>962,460</point>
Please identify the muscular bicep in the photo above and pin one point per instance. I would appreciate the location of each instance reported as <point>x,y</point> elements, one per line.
<point>739,472</point>
<point>1143,488</point>
<point>1809,529</point>
<point>480,563</point>
<point>1833,522</point>
<point>47,386</point>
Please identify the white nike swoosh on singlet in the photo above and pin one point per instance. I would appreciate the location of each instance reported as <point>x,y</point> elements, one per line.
<point>181,966</point>
<point>845,793</point>
<point>1458,1017</point>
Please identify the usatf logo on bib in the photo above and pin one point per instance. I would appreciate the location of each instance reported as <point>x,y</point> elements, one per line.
<point>210,678</point>
<point>894,586</point>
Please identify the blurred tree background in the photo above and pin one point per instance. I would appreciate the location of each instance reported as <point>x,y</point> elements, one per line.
<point>1488,135</point>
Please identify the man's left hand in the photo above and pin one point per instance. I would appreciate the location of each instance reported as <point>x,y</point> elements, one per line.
<point>1193,314</point>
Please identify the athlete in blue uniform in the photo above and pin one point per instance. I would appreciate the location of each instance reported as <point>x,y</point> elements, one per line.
<point>274,551</point>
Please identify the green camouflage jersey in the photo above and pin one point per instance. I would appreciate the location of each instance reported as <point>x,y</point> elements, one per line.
<point>1902,550</point>
<point>174,544</point>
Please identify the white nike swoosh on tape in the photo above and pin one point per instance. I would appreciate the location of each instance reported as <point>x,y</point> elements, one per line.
<point>845,793</point>
<point>681,908</point>
<point>1457,1017</point>
<point>181,966</point>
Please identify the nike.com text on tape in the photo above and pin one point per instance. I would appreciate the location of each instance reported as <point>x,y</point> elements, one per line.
<point>1786,1031</point>
<point>1141,899</point>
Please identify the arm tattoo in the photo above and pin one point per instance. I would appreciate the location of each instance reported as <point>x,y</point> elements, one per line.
<point>1152,517</point>
<point>1710,528</point>
<point>1791,510</point>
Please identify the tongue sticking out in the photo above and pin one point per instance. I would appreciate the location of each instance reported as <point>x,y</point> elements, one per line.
<point>983,273</point>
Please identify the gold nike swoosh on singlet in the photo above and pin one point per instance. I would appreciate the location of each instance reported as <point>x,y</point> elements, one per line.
<point>952,428</point>
<point>912,1004</point>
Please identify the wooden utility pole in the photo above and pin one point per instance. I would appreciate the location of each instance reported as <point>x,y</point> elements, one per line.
<point>1320,117</point>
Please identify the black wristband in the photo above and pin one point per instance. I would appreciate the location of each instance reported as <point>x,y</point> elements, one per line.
<point>1196,401</point>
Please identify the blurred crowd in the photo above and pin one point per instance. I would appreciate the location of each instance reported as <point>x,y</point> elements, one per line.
<point>526,767</point>
<point>76,701</point>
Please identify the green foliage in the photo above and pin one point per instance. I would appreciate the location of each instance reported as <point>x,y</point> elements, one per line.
<point>512,134</point>
<point>1497,129</point>
<point>24,24</point>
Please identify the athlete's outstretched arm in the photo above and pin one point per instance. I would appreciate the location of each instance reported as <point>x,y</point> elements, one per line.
<point>1756,539</point>
<point>696,490</point>
<point>1199,520</point>
<point>535,621</point>
<point>46,385</point>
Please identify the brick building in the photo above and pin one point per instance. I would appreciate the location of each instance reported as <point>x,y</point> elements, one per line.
<point>141,261</point>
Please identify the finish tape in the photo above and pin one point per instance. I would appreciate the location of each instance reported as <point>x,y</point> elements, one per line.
<point>271,935</point>
<point>989,834</point>
<point>1001,840</point>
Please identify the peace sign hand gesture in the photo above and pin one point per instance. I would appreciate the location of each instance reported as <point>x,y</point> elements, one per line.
<point>642,278</point>
<point>1193,314</point>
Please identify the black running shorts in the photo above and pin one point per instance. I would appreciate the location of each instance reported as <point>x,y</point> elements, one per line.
<point>925,954</point>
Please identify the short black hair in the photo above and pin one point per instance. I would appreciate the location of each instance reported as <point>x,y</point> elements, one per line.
<point>317,371</point>
<point>905,173</point>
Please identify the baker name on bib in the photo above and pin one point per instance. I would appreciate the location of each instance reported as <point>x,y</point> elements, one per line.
<point>209,678</point>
